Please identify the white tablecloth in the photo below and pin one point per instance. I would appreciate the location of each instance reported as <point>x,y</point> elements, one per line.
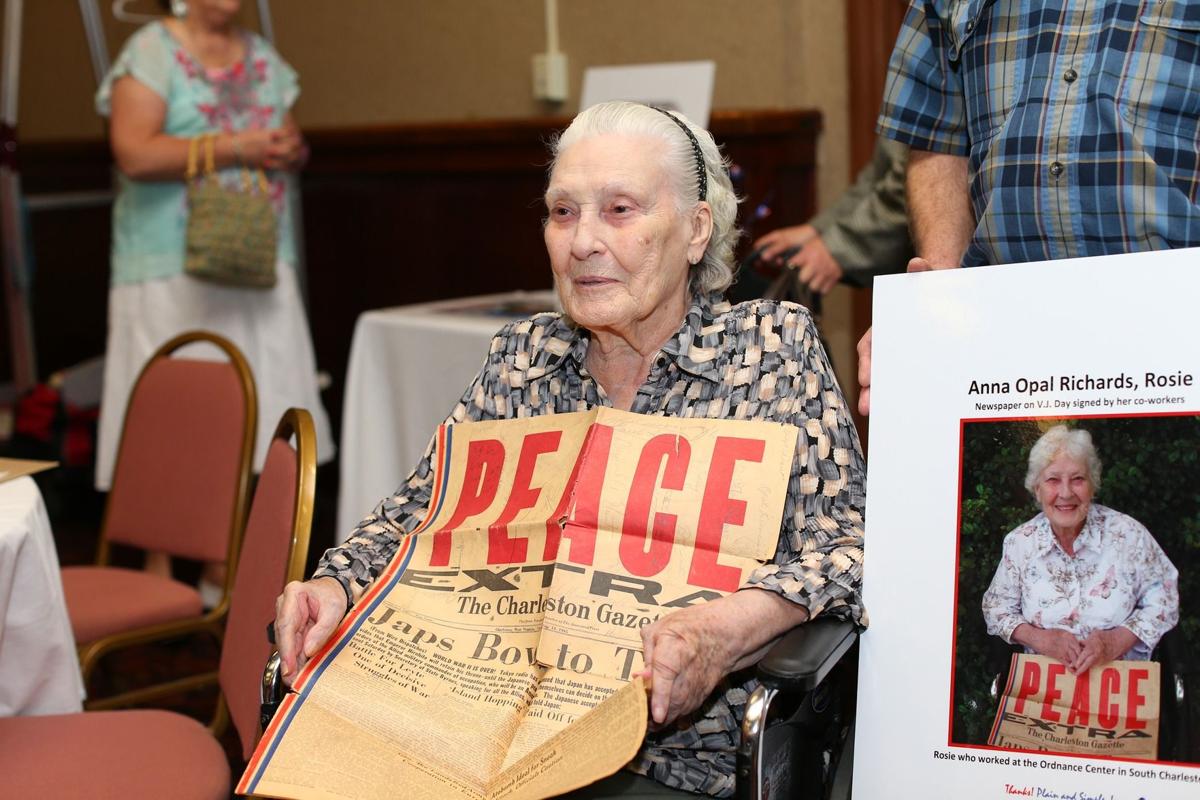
<point>408,366</point>
<point>39,670</point>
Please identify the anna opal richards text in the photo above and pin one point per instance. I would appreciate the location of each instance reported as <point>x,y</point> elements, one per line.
<point>1080,383</point>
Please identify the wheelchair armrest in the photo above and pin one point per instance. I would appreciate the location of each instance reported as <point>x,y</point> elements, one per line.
<point>806,654</point>
<point>271,691</point>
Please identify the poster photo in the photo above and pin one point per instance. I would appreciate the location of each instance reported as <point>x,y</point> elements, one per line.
<point>1033,533</point>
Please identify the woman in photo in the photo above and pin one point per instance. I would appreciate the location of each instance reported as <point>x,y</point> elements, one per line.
<point>1079,582</point>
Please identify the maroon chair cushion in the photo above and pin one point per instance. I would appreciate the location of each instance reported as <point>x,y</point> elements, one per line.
<point>111,755</point>
<point>259,580</point>
<point>104,600</point>
<point>176,478</point>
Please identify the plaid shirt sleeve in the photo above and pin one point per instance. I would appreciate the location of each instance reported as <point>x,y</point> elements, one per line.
<point>923,104</point>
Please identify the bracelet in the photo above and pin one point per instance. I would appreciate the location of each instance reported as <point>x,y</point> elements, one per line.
<point>237,149</point>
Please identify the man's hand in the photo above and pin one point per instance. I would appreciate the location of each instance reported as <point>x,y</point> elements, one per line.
<point>818,269</point>
<point>864,344</point>
<point>771,246</point>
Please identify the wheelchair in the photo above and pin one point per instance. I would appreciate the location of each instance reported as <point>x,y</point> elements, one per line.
<point>797,737</point>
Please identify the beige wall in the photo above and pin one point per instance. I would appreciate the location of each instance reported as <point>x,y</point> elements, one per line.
<point>366,62</point>
<point>387,61</point>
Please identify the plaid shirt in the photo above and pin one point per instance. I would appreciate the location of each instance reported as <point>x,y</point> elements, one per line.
<point>756,360</point>
<point>1079,119</point>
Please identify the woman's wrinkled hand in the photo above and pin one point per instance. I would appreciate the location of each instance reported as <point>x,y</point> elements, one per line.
<point>306,614</point>
<point>1101,647</point>
<point>1058,644</point>
<point>686,656</point>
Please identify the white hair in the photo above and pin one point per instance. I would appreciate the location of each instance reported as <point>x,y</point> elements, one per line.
<point>714,272</point>
<point>1061,440</point>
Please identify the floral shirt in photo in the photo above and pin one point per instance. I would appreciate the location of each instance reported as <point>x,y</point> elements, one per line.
<point>1119,576</point>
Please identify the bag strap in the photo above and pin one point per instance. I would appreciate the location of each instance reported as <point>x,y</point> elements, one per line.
<point>210,161</point>
<point>260,178</point>
<point>193,150</point>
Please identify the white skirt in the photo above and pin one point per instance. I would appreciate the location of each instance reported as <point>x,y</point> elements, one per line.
<point>269,327</point>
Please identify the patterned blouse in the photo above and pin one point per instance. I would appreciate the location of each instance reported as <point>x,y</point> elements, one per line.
<point>150,217</point>
<point>756,360</point>
<point>1118,576</point>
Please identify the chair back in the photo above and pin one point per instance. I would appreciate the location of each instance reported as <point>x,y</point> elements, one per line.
<point>274,551</point>
<point>183,463</point>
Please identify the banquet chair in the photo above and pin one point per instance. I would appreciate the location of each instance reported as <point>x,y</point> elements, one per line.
<point>111,755</point>
<point>179,488</point>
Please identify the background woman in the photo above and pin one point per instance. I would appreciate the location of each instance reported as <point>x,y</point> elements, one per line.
<point>174,80</point>
<point>640,232</point>
<point>1079,582</point>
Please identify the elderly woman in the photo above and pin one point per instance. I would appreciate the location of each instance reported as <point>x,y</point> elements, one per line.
<point>640,232</point>
<point>1079,582</point>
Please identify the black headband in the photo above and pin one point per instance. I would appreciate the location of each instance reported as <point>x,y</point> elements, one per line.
<point>701,172</point>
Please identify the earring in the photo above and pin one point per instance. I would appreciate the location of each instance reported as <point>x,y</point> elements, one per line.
<point>179,8</point>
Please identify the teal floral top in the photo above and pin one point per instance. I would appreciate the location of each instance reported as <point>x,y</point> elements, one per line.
<point>150,217</point>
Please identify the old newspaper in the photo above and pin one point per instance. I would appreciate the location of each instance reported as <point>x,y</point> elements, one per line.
<point>1110,710</point>
<point>498,654</point>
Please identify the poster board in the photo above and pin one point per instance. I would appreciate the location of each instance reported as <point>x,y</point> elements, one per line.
<point>969,368</point>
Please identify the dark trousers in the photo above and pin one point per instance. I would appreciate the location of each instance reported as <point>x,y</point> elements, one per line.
<point>627,786</point>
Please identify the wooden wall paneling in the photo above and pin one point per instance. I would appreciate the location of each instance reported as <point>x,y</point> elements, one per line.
<point>69,254</point>
<point>871,30</point>
<point>392,215</point>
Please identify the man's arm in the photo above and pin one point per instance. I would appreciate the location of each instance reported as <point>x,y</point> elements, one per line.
<point>939,209</point>
<point>870,236</point>
<point>942,224</point>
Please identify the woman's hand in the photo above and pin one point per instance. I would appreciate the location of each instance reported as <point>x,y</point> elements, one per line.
<point>306,614</point>
<point>1048,642</point>
<point>1101,647</point>
<point>686,656</point>
<point>688,652</point>
<point>274,148</point>
<point>287,150</point>
<point>1058,644</point>
<point>251,146</point>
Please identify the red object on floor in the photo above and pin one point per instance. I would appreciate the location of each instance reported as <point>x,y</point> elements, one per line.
<point>36,412</point>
